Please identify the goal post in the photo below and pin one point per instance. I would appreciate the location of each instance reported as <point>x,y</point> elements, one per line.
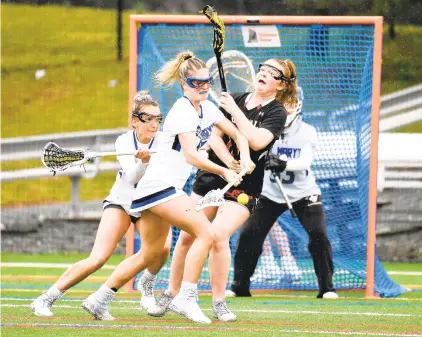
<point>338,61</point>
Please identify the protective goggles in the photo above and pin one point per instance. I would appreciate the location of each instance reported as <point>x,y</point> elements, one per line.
<point>274,72</point>
<point>145,117</point>
<point>197,83</point>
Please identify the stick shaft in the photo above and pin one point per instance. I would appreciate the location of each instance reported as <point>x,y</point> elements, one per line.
<point>230,184</point>
<point>289,204</point>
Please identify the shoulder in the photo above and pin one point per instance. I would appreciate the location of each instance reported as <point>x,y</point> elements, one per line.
<point>182,104</point>
<point>125,137</point>
<point>310,131</point>
<point>208,105</point>
<point>239,96</point>
<point>277,108</point>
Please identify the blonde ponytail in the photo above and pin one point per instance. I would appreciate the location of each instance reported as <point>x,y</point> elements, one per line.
<point>178,68</point>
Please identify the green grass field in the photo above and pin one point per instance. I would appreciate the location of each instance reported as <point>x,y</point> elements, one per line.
<point>272,314</point>
<point>77,48</point>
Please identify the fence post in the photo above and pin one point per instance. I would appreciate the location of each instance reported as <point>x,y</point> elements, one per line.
<point>74,201</point>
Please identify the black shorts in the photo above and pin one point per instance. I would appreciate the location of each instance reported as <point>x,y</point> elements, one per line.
<point>206,182</point>
<point>132,218</point>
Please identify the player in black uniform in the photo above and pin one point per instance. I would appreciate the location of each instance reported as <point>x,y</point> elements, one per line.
<point>260,116</point>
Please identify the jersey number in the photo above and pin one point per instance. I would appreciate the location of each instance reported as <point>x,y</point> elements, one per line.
<point>289,175</point>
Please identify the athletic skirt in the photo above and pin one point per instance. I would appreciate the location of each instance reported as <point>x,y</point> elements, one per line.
<point>152,193</point>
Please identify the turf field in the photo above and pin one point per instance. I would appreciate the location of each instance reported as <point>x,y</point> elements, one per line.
<point>273,314</point>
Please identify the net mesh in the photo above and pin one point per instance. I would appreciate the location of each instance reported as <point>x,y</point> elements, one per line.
<point>334,65</point>
<point>58,159</point>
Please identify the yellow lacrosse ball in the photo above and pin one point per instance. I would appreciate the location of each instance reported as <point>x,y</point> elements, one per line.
<point>242,198</point>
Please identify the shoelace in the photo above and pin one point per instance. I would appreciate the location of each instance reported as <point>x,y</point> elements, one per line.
<point>221,307</point>
<point>191,294</point>
<point>148,285</point>
<point>164,300</point>
<point>48,300</point>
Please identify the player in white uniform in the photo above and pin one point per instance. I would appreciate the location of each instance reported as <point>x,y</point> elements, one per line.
<point>291,160</point>
<point>159,195</point>
<point>115,219</point>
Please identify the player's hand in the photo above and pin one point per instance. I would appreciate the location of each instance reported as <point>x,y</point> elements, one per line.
<point>143,155</point>
<point>227,103</point>
<point>230,176</point>
<point>248,165</point>
<point>275,163</point>
<point>234,165</point>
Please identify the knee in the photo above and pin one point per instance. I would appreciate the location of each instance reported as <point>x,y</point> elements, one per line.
<point>96,262</point>
<point>220,239</point>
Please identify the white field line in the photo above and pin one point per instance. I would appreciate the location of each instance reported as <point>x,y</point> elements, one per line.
<point>295,312</point>
<point>112,267</point>
<point>209,328</point>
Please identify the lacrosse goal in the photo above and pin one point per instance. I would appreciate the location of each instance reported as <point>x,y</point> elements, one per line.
<point>338,60</point>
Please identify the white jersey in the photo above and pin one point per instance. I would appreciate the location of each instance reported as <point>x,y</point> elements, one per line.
<point>132,169</point>
<point>298,181</point>
<point>168,170</point>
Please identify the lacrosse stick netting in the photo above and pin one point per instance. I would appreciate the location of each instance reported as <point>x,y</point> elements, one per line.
<point>239,73</point>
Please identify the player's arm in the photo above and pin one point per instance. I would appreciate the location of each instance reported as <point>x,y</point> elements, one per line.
<point>193,157</point>
<point>228,128</point>
<point>133,167</point>
<point>258,138</point>
<point>281,163</point>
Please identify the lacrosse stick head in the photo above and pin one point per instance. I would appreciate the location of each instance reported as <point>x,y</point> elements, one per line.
<point>212,198</point>
<point>218,27</point>
<point>57,159</point>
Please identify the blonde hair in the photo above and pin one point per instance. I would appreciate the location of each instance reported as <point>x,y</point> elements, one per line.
<point>178,68</point>
<point>141,99</point>
<point>289,93</point>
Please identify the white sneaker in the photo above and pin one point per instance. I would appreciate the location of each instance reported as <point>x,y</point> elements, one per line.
<point>330,295</point>
<point>97,307</point>
<point>230,293</point>
<point>42,305</point>
<point>185,304</point>
<point>146,287</point>
<point>222,312</point>
<point>160,308</point>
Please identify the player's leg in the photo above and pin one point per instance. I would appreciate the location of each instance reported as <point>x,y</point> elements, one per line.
<point>311,215</point>
<point>183,244</point>
<point>147,280</point>
<point>280,240</point>
<point>181,212</point>
<point>231,216</point>
<point>249,247</point>
<point>113,225</point>
<point>153,231</point>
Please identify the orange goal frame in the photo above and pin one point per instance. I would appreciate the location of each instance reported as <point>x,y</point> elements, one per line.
<point>376,21</point>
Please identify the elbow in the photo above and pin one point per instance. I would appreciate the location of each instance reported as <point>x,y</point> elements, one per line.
<point>256,145</point>
<point>190,158</point>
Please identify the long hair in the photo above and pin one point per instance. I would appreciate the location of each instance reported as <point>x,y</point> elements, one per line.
<point>289,93</point>
<point>178,68</point>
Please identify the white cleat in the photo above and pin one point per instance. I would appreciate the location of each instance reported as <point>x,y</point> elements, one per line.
<point>222,312</point>
<point>330,295</point>
<point>185,304</point>
<point>42,306</point>
<point>146,287</point>
<point>160,308</point>
<point>97,308</point>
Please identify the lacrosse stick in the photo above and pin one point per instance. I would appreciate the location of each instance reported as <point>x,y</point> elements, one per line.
<point>216,197</point>
<point>57,159</point>
<point>289,204</point>
<point>238,71</point>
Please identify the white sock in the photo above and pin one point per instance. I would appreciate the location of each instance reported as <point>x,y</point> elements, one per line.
<point>188,286</point>
<point>105,293</point>
<point>148,275</point>
<point>54,292</point>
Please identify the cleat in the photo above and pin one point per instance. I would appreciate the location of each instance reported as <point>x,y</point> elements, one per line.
<point>160,308</point>
<point>146,287</point>
<point>330,295</point>
<point>42,306</point>
<point>222,312</point>
<point>185,304</point>
<point>98,308</point>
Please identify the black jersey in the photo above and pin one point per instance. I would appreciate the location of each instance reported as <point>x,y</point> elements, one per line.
<point>272,117</point>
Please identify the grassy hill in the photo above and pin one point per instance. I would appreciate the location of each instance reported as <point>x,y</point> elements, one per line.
<point>77,48</point>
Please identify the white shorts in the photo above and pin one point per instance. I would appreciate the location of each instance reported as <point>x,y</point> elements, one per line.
<point>108,202</point>
<point>152,193</point>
